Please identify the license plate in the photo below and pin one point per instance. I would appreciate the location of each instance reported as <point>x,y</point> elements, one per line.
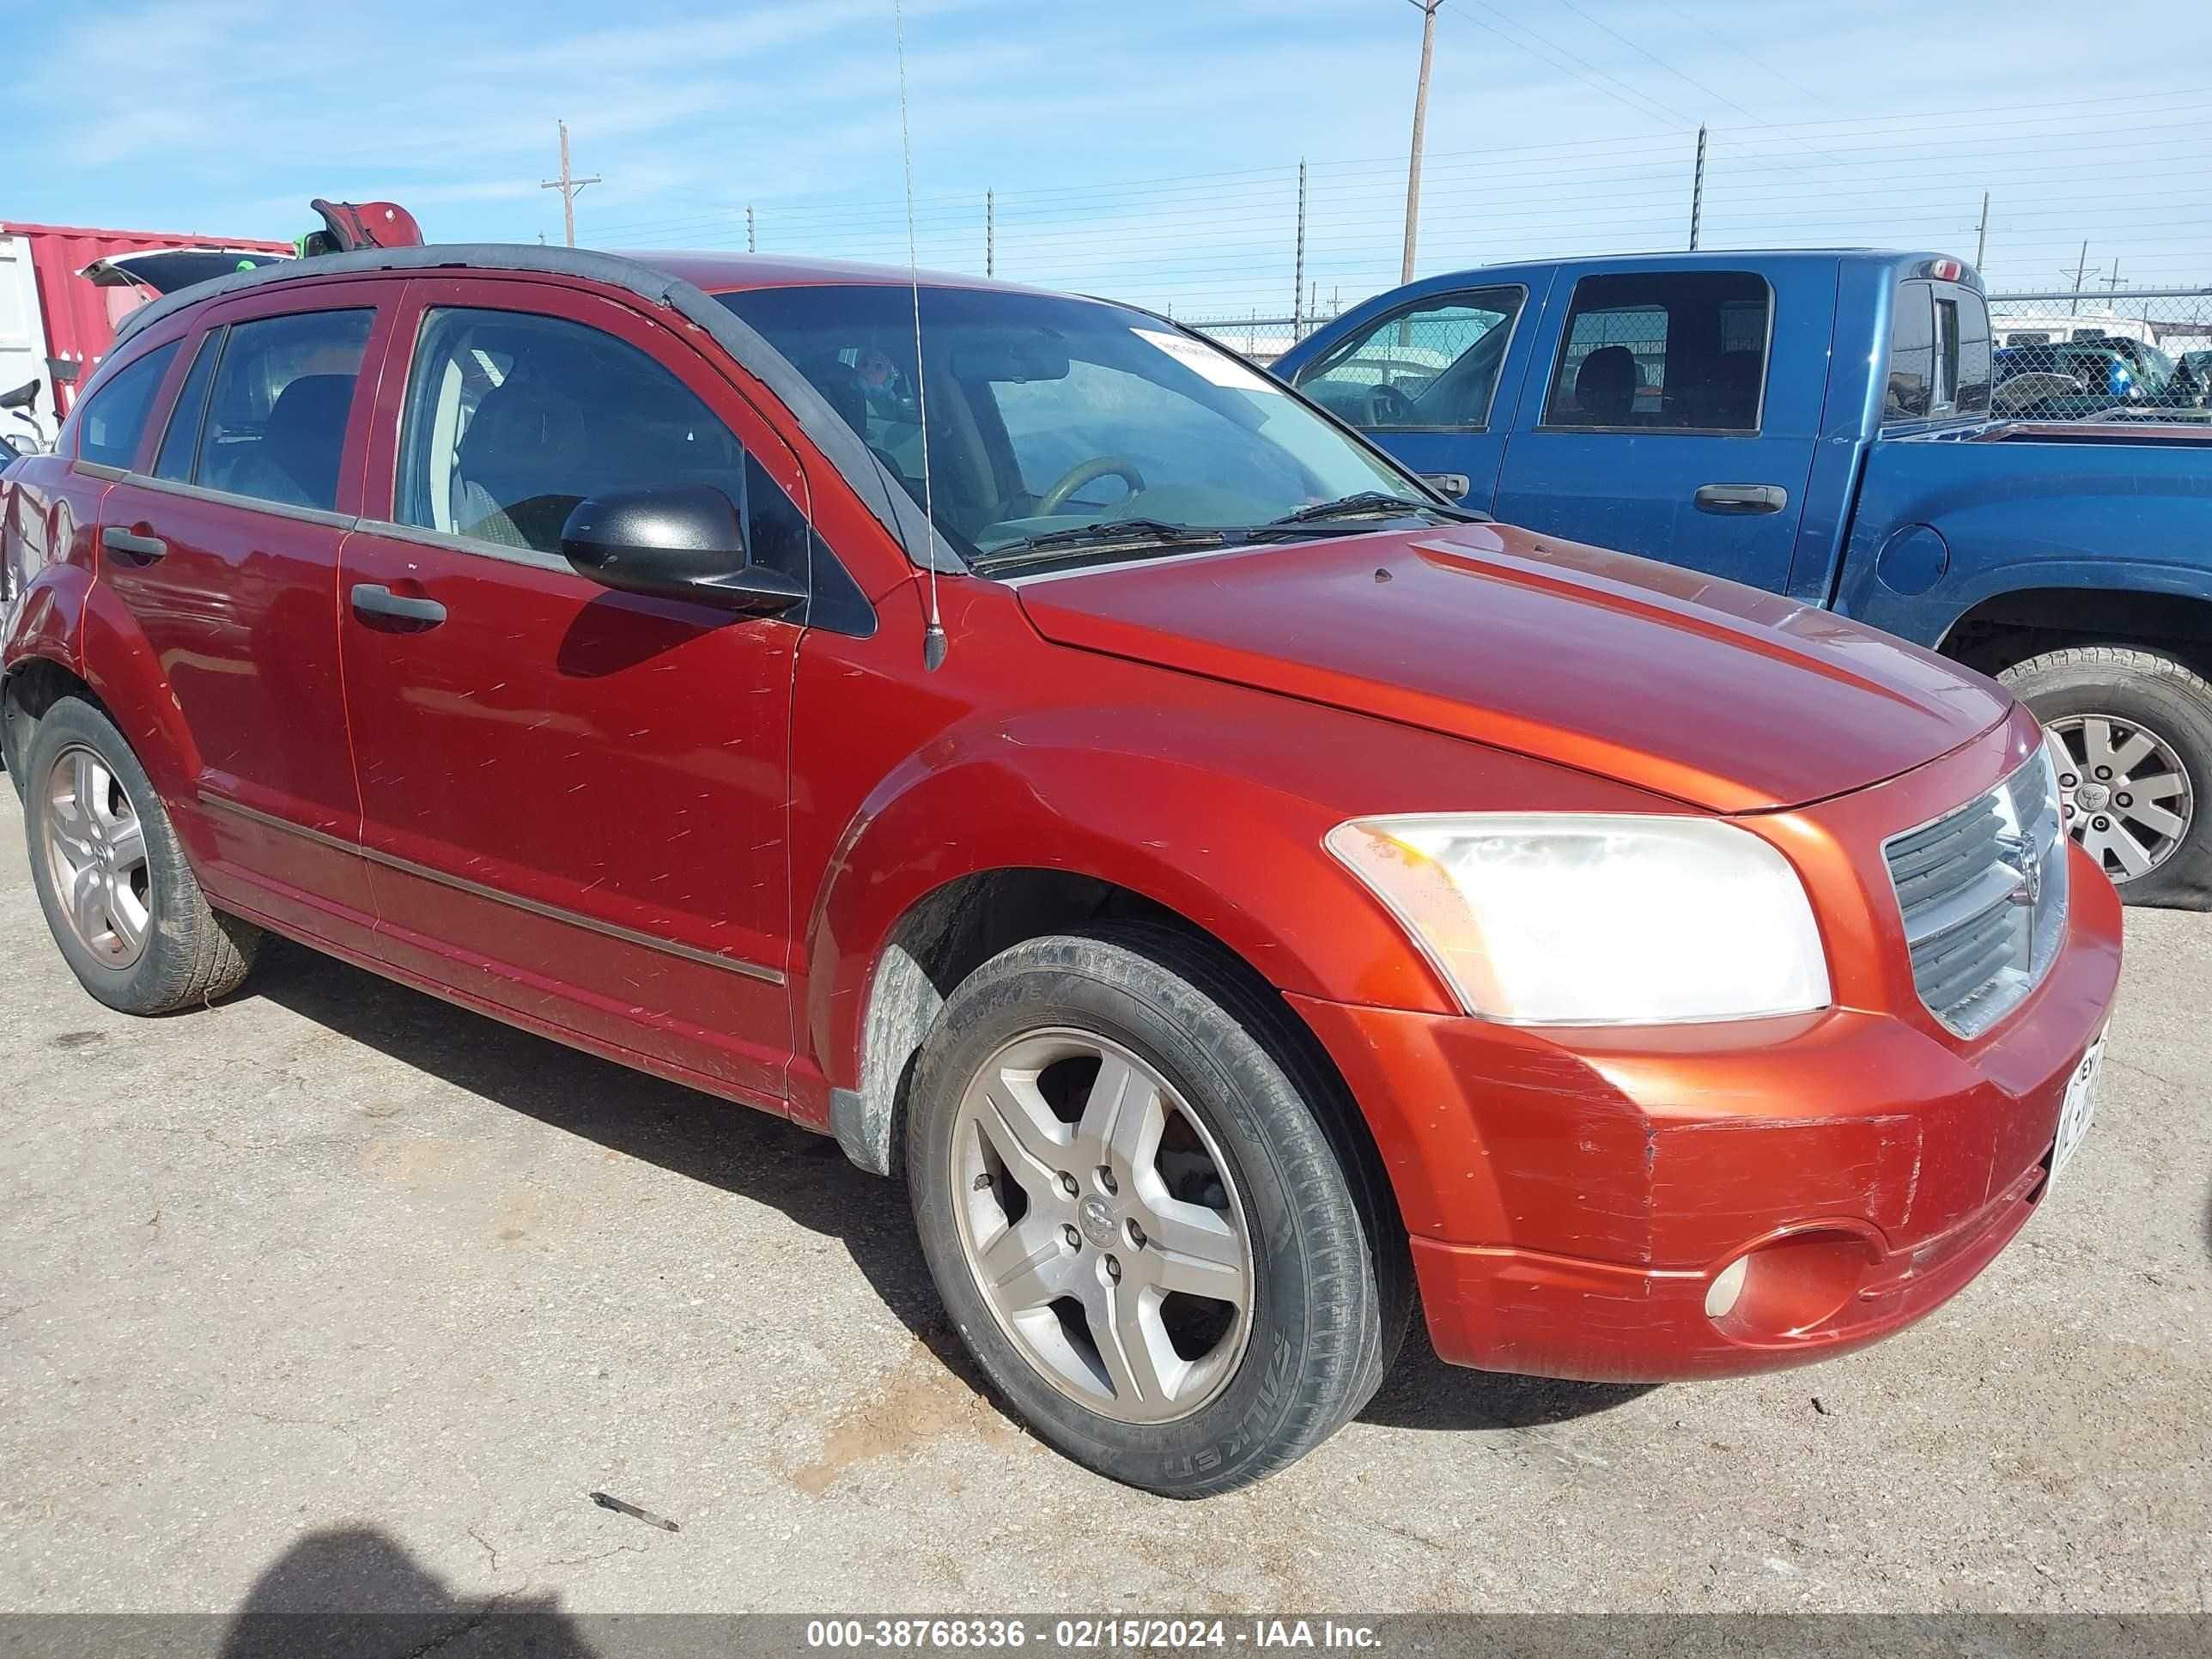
<point>2079,1107</point>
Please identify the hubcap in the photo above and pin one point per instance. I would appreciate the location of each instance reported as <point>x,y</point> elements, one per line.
<point>1103,1226</point>
<point>96,854</point>
<point>2123,793</point>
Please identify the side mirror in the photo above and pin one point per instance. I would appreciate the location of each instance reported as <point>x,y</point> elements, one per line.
<point>683,542</point>
<point>25,396</point>
<point>64,370</point>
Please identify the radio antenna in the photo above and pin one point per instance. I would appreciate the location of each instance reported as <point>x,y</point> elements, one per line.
<point>932,638</point>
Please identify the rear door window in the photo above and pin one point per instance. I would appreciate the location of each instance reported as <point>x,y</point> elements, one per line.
<point>1659,351</point>
<point>1433,365</point>
<point>276,421</point>
<point>181,443</point>
<point>113,419</point>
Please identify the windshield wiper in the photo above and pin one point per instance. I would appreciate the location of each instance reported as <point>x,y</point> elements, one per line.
<point>1106,533</point>
<point>1367,502</point>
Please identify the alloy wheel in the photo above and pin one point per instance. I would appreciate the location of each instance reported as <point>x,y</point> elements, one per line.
<point>96,852</point>
<point>2123,793</point>
<point>1102,1225</point>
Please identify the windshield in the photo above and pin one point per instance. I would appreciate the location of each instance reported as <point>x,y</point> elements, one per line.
<point>1050,414</point>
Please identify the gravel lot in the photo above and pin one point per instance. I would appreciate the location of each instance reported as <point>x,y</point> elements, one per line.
<point>336,1294</point>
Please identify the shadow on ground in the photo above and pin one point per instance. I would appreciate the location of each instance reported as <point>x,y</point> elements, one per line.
<point>803,1175</point>
<point>352,1593</point>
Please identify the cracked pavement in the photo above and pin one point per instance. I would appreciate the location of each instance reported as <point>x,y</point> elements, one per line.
<point>335,1296</point>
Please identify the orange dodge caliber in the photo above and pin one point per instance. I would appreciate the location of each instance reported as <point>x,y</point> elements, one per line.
<point>1245,897</point>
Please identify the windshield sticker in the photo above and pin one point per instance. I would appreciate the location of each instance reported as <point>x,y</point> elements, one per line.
<point>1218,367</point>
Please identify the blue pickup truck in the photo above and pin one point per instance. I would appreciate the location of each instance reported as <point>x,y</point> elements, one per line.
<point>1820,424</point>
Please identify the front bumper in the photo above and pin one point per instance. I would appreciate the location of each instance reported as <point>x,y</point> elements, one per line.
<point>1572,1196</point>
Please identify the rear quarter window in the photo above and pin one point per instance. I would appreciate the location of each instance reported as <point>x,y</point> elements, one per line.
<point>113,418</point>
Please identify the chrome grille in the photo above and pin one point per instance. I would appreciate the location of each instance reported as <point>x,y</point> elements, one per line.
<point>1983,891</point>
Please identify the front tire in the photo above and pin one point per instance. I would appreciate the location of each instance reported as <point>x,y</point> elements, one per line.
<point>1139,1201</point>
<point>120,898</point>
<point>2135,727</point>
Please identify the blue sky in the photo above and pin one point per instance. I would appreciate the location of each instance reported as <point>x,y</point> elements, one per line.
<point>1148,148</point>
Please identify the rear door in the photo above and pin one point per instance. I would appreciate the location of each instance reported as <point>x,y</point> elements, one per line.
<point>575,798</point>
<point>1658,424</point>
<point>1433,382</point>
<point>223,541</point>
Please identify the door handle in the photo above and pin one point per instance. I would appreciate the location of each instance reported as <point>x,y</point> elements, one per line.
<point>375,600</point>
<point>1742,498</point>
<point>1452,484</point>
<point>116,540</point>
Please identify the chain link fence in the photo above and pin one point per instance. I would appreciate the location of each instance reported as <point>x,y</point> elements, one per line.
<point>2119,355</point>
<point>2125,355</point>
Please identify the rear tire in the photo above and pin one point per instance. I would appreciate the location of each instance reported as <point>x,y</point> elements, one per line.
<point>120,898</point>
<point>1282,1358</point>
<point>2100,698</point>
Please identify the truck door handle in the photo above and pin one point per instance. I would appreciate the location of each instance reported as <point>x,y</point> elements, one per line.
<point>375,600</point>
<point>1453,485</point>
<point>116,540</point>
<point>1742,498</point>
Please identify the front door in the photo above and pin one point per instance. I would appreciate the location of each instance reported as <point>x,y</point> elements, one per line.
<point>1656,426</point>
<point>1433,382</point>
<point>224,545</point>
<point>574,799</point>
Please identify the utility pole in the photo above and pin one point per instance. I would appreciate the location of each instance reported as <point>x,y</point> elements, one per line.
<point>990,232</point>
<point>1982,236</point>
<point>1698,190</point>
<point>1420,121</point>
<point>1298,275</point>
<point>2080,270</point>
<point>568,184</point>
<point>751,246</point>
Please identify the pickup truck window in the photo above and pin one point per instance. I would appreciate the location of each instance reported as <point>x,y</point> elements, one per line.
<point>1944,392</point>
<point>115,418</point>
<point>1431,365</point>
<point>1908,395</point>
<point>1658,352</point>
<point>1939,353</point>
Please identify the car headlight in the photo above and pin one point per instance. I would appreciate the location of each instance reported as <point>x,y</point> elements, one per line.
<point>1575,919</point>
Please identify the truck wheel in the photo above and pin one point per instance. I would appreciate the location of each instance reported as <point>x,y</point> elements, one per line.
<point>1142,1214</point>
<point>120,898</point>
<point>2135,726</point>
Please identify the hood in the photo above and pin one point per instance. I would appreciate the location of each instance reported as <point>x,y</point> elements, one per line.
<point>1712,693</point>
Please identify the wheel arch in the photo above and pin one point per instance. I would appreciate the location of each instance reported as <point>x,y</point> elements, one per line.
<point>31,686</point>
<point>2003,628</point>
<point>955,927</point>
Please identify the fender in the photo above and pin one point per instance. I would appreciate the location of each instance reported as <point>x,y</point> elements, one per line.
<point>1157,801</point>
<point>44,624</point>
<point>119,663</point>
<point>1242,861</point>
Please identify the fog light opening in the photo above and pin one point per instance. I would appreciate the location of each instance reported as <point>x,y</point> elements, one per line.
<point>1728,1285</point>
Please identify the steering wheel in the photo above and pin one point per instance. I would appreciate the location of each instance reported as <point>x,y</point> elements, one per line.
<point>1387,406</point>
<point>1098,466</point>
